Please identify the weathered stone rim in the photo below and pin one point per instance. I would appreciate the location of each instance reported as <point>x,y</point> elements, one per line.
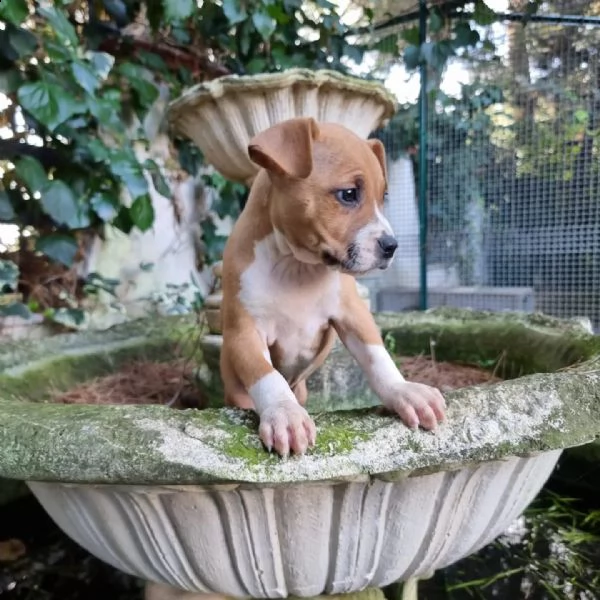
<point>211,91</point>
<point>146,445</point>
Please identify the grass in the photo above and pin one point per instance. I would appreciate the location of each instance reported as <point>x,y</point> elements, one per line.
<point>552,552</point>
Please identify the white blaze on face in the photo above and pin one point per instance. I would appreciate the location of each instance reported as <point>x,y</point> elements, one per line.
<point>366,241</point>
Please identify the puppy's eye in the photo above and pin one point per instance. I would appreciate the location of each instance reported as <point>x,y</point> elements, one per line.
<point>348,196</point>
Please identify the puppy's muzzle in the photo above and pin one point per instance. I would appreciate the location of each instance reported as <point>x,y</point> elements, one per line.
<point>387,246</point>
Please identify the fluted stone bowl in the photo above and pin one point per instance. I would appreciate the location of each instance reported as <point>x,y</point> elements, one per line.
<point>222,115</point>
<point>190,498</point>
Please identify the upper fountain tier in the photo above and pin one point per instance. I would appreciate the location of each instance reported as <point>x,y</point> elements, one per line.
<point>221,116</point>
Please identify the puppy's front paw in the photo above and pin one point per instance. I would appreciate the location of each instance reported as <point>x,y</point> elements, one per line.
<point>287,426</point>
<point>417,404</point>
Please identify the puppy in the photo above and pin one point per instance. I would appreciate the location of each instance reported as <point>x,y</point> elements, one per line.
<point>312,222</point>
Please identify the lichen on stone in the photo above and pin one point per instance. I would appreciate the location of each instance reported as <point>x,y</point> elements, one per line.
<point>157,445</point>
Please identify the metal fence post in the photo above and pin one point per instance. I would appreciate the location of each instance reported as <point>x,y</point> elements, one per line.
<point>423,301</point>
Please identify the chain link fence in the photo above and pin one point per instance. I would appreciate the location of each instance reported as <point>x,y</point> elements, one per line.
<point>513,176</point>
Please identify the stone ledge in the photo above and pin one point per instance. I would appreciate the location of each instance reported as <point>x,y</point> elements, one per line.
<point>153,444</point>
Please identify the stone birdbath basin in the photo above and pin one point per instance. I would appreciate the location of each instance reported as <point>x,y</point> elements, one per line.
<point>221,116</point>
<point>189,500</point>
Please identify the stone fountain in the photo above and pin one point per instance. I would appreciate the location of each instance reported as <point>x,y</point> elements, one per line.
<point>192,503</point>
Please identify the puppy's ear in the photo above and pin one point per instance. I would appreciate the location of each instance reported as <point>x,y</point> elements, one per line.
<point>379,151</point>
<point>286,148</point>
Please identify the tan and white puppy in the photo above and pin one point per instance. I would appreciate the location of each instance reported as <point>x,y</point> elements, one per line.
<point>313,220</point>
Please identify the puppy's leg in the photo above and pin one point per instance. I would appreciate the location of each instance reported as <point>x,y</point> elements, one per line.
<point>235,393</point>
<point>415,403</point>
<point>301,392</point>
<point>284,424</point>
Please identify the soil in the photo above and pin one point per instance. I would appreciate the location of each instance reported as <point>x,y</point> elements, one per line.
<point>171,383</point>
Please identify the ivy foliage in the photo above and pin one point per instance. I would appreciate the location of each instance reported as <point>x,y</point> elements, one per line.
<point>448,36</point>
<point>78,76</point>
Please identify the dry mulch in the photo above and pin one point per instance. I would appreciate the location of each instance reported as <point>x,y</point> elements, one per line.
<point>171,383</point>
<point>142,382</point>
<point>445,376</point>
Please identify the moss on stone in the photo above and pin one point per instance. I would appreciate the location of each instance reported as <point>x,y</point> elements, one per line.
<point>64,372</point>
<point>156,445</point>
<point>337,437</point>
<point>513,344</point>
<point>33,370</point>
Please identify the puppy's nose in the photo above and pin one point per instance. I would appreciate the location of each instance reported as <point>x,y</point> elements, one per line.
<point>388,245</point>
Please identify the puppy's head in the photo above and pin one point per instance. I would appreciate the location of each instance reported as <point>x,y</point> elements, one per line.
<point>327,191</point>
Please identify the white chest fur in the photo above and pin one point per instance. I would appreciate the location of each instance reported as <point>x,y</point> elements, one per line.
<point>290,301</point>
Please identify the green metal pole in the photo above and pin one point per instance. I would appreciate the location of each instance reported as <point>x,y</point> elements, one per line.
<point>423,301</point>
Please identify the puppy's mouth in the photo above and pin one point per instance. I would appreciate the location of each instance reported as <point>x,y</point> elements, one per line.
<point>350,263</point>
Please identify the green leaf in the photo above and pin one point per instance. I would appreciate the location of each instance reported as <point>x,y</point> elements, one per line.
<point>234,11</point>
<point>387,43</point>
<point>483,14</point>
<point>179,10</point>
<point>57,51</point>
<point>435,54</point>
<point>15,309</point>
<point>123,220</point>
<point>30,171</point>
<point>61,26</point>
<point>152,61</point>
<point>36,98</point>
<point>14,11</point>
<point>85,76</point>
<point>462,34</point>
<point>276,11</point>
<point>9,274</point>
<point>158,180</point>
<point>142,212</point>
<point>98,149</point>
<point>22,41</point>
<point>58,202</point>
<point>10,81</point>
<point>265,25</point>
<point>48,103</point>
<point>102,63</point>
<point>155,10</point>
<point>130,173</point>
<point>244,33</point>
<point>256,65</point>
<point>58,247</point>
<point>68,317</point>
<point>106,206</point>
<point>95,282</point>
<point>581,115</point>
<point>137,77</point>
<point>106,110</point>
<point>412,57</point>
<point>436,21</point>
<point>7,212</point>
